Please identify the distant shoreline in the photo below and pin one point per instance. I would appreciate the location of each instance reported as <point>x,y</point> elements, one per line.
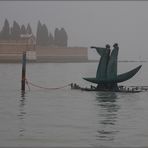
<point>56,60</point>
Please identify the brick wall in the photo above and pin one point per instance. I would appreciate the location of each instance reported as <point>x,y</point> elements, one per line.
<point>13,50</point>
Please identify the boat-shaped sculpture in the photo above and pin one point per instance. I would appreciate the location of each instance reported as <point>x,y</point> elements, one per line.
<point>106,76</point>
<point>120,78</point>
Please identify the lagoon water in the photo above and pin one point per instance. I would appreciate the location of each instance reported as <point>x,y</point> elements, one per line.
<point>65,117</point>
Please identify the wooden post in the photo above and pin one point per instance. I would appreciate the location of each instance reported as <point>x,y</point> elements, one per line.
<point>23,71</point>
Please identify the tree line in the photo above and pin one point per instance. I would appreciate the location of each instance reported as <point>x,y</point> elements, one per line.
<point>43,36</point>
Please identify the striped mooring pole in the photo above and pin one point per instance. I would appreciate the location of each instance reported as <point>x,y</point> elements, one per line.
<point>23,71</point>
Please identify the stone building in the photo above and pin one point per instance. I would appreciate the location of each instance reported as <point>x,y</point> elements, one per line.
<point>11,51</point>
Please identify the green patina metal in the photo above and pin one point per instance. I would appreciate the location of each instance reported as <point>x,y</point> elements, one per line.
<point>106,76</point>
<point>126,76</point>
<point>120,78</point>
<point>102,67</point>
<point>112,64</point>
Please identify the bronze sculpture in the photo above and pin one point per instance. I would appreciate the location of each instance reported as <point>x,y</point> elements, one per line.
<point>106,76</point>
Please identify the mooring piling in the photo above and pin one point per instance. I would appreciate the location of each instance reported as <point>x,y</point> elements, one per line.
<point>23,71</point>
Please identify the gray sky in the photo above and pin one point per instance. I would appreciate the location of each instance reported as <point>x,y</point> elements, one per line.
<point>88,23</point>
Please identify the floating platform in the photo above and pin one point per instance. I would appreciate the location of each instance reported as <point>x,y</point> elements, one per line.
<point>122,89</point>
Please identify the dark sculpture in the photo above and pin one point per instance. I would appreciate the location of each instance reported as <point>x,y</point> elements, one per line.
<point>106,77</point>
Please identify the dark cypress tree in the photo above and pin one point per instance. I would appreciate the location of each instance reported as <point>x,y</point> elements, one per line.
<point>5,33</point>
<point>56,37</point>
<point>38,33</point>
<point>45,39</point>
<point>0,35</point>
<point>15,31</point>
<point>29,30</point>
<point>23,29</point>
<point>11,30</point>
<point>42,35</point>
<point>60,37</point>
<point>51,40</point>
<point>63,37</point>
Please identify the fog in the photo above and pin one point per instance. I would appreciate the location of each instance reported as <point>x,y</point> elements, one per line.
<point>88,23</point>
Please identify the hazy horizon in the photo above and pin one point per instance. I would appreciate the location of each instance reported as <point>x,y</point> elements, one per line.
<point>88,23</point>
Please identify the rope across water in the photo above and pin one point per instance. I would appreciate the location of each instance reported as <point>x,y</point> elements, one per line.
<point>47,88</point>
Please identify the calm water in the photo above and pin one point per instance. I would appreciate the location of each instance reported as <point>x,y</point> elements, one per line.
<point>68,117</point>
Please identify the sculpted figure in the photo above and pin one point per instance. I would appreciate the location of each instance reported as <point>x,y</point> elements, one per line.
<point>112,64</point>
<point>106,76</point>
<point>112,67</point>
<point>102,67</point>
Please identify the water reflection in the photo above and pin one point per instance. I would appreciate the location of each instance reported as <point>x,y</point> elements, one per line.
<point>22,113</point>
<point>108,115</point>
